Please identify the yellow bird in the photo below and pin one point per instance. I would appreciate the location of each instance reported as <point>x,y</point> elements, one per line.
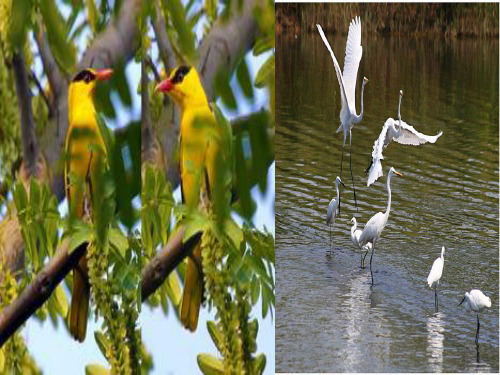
<point>84,147</point>
<point>198,153</point>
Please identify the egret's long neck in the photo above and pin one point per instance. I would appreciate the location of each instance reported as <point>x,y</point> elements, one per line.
<point>399,117</point>
<point>360,117</point>
<point>337,188</point>
<point>389,192</point>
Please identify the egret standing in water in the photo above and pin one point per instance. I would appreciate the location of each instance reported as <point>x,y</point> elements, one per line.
<point>435,275</point>
<point>355,234</point>
<point>477,302</point>
<point>331,214</point>
<point>347,82</point>
<point>405,135</point>
<point>375,226</point>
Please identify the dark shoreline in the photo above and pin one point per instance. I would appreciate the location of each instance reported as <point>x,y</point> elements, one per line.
<point>479,20</point>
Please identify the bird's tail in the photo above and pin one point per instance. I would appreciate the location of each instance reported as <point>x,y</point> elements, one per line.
<point>375,172</point>
<point>193,291</point>
<point>79,301</point>
<point>339,128</point>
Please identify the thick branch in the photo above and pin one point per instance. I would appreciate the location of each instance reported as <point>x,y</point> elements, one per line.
<point>157,270</point>
<point>118,42</point>
<point>56,79</point>
<point>28,137</point>
<point>226,43</point>
<point>39,291</point>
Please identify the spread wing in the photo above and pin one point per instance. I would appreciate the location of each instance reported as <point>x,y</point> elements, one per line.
<point>343,96</point>
<point>409,136</point>
<point>376,168</point>
<point>353,52</point>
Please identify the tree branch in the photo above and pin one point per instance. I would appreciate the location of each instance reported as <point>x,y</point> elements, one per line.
<point>39,291</point>
<point>57,80</point>
<point>28,137</point>
<point>41,288</point>
<point>157,270</point>
<point>41,92</point>
<point>226,43</point>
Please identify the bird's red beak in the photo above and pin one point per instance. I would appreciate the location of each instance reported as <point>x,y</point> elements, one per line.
<point>164,86</point>
<point>103,74</point>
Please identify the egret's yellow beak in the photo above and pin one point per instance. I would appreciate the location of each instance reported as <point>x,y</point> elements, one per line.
<point>399,174</point>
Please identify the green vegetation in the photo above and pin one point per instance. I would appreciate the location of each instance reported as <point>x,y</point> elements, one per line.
<point>455,20</point>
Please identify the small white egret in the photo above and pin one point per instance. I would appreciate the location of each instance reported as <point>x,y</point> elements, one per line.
<point>347,82</point>
<point>406,135</point>
<point>355,234</point>
<point>435,275</point>
<point>477,302</point>
<point>375,226</point>
<point>331,214</point>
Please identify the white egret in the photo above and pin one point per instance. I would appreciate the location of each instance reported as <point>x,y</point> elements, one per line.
<point>406,135</point>
<point>331,214</point>
<point>347,82</point>
<point>477,302</point>
<point>355,234</point>
<point>435,275</point>
<point>375,226</point>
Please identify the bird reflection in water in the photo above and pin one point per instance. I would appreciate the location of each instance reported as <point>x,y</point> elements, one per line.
<point>435,339</point>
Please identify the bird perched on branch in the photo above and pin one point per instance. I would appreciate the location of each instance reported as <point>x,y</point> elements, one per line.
<point>85,150</point>
<point>200,155</point>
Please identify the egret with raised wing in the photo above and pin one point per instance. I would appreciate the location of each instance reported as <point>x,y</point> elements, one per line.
<point>375,226</point>
<point>405,135</point>
<point>477,302</point>
<point>331,214</point>
<point>355,234</point>
<point>347,82</point>
<point>435,275</point>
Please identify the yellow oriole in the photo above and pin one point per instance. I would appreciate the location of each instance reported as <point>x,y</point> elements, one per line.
<point>198,153</point>
<point>84,146</point>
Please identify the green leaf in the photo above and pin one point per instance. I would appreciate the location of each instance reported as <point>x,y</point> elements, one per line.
<point>60,301</point>
<point>234,232</point>
<point>223,89</point>
<point>216,335</point>
<point>210,365</point>
<point>259,364</point>
<point>63,50</point>
<point>82,234</point>
<point>174,288</point>
<point>19,22</point>
<point>255,290</point>
<point>243,77</point>
<point>118,240</point>
<point>102,342</point>
<point>94,369</point>
<point>265,73</point>
<point>186,35</point>
<point>263,45</point>
<point>211,9</point>
<point>92,15</point>
<point>195,223</point>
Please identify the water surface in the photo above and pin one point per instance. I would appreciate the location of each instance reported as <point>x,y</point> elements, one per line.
<point>328,317</point>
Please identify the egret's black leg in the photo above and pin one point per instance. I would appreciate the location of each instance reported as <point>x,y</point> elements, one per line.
<point>341,161</point>
<point>352,177</point>
<point>436,297</point>
<point>371,258</point>
<point>477,332</point>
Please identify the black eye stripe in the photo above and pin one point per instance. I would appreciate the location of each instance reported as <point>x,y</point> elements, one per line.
<point>180,73</point>
<point>85,75</point>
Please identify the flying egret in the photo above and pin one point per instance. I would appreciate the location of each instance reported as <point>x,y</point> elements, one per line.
<point>435,275</point>
<point>477,302</point>
<point>355,234</point>
<point>375,226</point>
<point>347,82</point>
<point>405,135</point>
<point>331,214</point>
